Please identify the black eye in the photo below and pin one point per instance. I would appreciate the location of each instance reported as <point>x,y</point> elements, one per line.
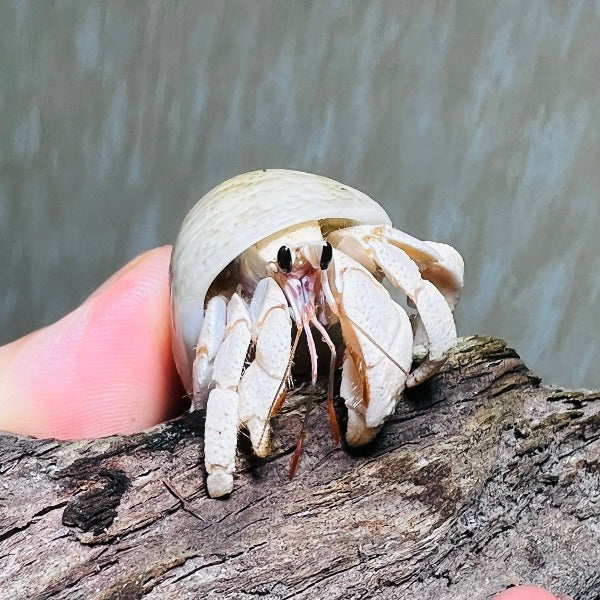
<point>326,255</point>
<point>284,259</point>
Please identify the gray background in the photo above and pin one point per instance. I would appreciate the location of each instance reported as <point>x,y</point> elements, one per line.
<point>475,123</point>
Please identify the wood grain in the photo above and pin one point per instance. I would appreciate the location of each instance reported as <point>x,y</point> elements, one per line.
<point>483,479</point>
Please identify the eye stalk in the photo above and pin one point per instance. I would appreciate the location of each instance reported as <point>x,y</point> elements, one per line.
<point>284,259</point>
<point>326,256</point>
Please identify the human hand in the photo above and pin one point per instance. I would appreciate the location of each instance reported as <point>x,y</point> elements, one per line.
<point>103,369</point>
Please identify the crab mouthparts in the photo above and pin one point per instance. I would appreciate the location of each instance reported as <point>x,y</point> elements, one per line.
<point>302,287</point>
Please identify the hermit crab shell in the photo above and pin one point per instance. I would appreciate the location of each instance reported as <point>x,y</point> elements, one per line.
<point>237,214</point>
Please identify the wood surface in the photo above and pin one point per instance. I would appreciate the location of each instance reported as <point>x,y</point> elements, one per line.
<point>483,479</point>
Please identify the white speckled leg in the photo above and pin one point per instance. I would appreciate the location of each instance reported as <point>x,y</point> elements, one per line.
<point>378,341</point>
<point>211,336</point>
<point>439,263</point>
<point>222,410</point>
<point>220,441</point>
<point>262,381</point>
<point>433,308</point>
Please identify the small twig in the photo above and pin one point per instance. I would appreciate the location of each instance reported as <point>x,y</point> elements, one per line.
<point>184,503</point>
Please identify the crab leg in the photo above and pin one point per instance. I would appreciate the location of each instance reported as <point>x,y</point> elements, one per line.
<point>439,263</point>
<point>447,274</point>
<point>211,336</point>
<point>220,435</point>
<point>434,311</point>
<point>261,382</point>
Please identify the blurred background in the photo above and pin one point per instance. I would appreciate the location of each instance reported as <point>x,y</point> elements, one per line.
<point>475,123</point>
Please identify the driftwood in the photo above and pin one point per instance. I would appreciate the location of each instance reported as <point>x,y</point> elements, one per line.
<point>483,479</point>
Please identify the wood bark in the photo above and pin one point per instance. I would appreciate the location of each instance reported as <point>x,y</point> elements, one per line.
<point>483,479</point>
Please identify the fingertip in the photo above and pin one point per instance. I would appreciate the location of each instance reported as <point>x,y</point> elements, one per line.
<point>153,263</point>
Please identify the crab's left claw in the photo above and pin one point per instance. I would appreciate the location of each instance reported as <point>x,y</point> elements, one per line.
<point>378,340</point>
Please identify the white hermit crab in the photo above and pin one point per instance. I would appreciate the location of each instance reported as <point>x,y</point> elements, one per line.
<point>274,246</point>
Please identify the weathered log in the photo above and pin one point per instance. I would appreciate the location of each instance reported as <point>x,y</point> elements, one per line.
<point>482,480</point>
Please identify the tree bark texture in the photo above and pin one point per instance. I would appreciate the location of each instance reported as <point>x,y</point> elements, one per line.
<point>483,479</point>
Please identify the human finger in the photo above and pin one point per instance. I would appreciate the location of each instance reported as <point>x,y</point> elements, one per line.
<point>105,368</point>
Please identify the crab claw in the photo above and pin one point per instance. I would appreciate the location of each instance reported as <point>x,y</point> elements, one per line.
<point>378,339</point>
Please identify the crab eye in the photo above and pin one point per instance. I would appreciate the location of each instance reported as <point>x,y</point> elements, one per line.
<point>326,255</point>
<point>284,259</point>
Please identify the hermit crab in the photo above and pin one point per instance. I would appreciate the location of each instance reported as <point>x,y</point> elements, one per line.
<point>274,250</point>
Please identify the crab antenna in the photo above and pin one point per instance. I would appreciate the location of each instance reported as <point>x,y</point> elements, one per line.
<point>295,462</point>
<point>335,429</point>
<point>378,346</point>
<point>275,406</point>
